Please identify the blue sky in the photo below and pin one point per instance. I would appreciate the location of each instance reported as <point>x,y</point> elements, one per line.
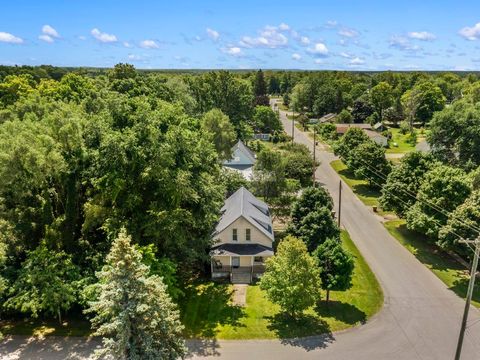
<point>300,34</point>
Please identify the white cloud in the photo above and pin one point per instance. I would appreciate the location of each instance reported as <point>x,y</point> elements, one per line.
<point>283,27</point>
<point>304,40</point>
<point>347,32</point>
<point>127,44</point>
<point>357,61</point>
<point>422,35</point>
<point>103,37</point>
<point>319,49</point>
<point>269,37</point>
<point>50,31</point>
<point>346,55</point>
<point>331,23</point>
<point>81,37</point>
<point>46,38</point>
<point>296,56</point>
<point>471,33</point>
<point>134,57</point>
<point>149,44</point>
<point>212,34</point>
<point>9,38</point>
<point>318,61</point>
<point>233,50</point>
<point>402,43</point>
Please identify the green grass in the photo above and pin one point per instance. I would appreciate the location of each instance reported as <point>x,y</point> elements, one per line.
<point>444,266</point>
<point>42,327</point>
<point>208,313</point>
<point>401,140</point>
<point>368,195</point>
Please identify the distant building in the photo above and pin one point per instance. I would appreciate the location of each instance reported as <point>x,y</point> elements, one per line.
<point>343,128</point>
<point>263,137</point>
<point>377,137</point>
<point>243,238</point>
<point>367,128</point>
<point>378,127</point>
<point>243,160</point>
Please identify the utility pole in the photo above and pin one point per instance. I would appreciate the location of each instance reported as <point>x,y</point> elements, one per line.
<point>314,147</point>
<point>471,283</point>
<point>339,201</point>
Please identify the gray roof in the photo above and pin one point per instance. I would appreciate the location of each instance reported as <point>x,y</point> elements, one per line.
<point>243,204</point>
<point>241,156</point>
<point>242,249</point>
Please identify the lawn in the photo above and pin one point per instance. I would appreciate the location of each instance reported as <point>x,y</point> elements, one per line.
<point>451,272</point>
<point>209,313</point>
<point>401,140</point>
<point>368,195</point>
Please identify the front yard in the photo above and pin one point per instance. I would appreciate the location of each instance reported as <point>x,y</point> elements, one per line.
<point>209,313</point>
<point>403,146</point>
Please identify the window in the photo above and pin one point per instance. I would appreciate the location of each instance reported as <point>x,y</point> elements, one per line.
<point>248,235</point>
<point>258,259</point>
<point>234,235</point>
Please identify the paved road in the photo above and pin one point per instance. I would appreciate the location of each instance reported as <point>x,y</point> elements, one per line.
<point>420,318</point>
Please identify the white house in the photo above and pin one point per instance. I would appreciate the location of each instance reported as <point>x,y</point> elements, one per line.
<point>243,238</point>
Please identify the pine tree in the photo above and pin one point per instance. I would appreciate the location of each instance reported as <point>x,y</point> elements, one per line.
<point>133,312</point>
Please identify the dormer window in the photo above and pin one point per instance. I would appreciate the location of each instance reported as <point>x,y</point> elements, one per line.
<point>234,235</point>
<point>248,235</point>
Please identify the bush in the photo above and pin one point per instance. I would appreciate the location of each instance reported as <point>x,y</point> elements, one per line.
<point>404,127</point>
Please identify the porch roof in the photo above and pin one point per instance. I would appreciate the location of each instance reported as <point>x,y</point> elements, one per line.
<point>241,249</point>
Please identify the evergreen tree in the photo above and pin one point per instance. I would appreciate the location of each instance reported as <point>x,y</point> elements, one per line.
<point>133,312</point>
<point>260,89</point>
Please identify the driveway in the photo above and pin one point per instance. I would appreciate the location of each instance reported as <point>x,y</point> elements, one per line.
<point>420,318</point>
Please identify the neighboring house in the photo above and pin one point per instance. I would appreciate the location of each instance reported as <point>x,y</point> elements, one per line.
<point>343,128</point>
<point>328,118</point>
<point>378,126</point>
<point>377,138</point>
<point>243,238</point>
<point>263,137</point>
<point>243,160</point>
<point>367,128</point>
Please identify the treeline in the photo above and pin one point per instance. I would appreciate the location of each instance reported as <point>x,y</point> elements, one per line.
<point>438,192</point>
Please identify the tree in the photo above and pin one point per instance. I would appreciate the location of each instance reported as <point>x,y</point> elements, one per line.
<point>266,120</point>
<point>344,117</point>
<point>336,266</point>
<point>133,311</point>
<point>442,190</point>
<point>429,99</point>
<point>381,97</point>
<point>401,188</point>
<point>221,131</point>
<point>46,283</point>
<point>299,164</point>
<point>361,109</point>
<point>269,174</point>
<point>455,134</point>
<point>368,161</point>
<point>291,277</point>
<point>315,228</point>
<point>311,199</point>
<point>463,221</point>
<point>348,142</point>
<point>260,89</point>
<point>232,181</point>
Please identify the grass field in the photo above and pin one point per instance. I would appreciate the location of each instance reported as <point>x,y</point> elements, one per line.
<point>368,195</point>
<point>401,140</point>
<point>451,272</point>
<point>209,313</point>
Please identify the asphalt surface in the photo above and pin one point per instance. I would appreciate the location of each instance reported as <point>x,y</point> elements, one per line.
<point>420,318</point>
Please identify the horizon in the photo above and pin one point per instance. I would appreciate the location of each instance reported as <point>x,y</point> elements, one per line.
<point>308,35</point>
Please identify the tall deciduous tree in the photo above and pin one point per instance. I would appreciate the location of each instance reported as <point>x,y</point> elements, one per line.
<point>312,199</point>
<point>291,277</point>
<point>368,162</point>
<point>381,97</point>
<point>46,283</point>
<point>336,266</point>
<point>266,120</point>
<point>442,190</point>
<point>348,142</point>
<point>221,131</point>
<point>133,312</point>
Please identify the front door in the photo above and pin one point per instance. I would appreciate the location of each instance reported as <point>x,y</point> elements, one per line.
<point>235,261</point>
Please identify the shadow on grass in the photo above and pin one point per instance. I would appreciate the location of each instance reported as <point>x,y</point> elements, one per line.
<point>347,313</point>
<point>71,326</point>
<point>435,258</point>
<point>292,331</point>
<point>362,189</point>
<point>206,306</point>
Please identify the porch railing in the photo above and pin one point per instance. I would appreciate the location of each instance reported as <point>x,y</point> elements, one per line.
<point>256,269</point>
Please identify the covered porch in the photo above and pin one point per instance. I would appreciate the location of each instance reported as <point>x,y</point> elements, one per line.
<point>239,263</point>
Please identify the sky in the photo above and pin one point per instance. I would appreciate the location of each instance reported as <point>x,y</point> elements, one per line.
<point>247,34</point>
